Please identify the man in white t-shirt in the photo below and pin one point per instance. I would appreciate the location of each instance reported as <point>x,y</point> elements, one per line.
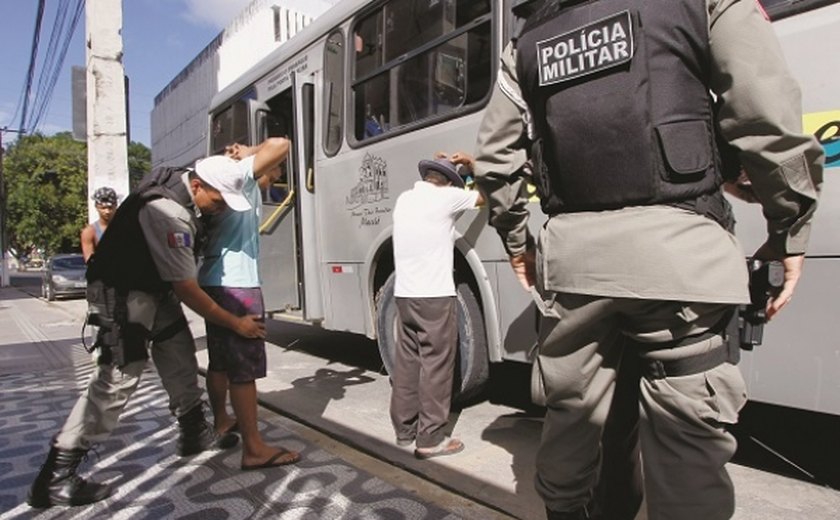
<point>424,362</point>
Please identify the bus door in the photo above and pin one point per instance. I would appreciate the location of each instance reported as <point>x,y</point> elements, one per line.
<point>279,261</point>
<point>287,248</point>
<point>304,143</point>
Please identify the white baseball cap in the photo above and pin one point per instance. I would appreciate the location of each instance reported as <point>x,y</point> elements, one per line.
<point>223,173</point>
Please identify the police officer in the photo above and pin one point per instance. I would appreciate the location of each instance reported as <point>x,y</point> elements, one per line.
<point>143,266</point>
<point>635,267</point>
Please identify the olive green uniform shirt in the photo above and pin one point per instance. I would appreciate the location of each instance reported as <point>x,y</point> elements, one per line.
<point>661,252</point>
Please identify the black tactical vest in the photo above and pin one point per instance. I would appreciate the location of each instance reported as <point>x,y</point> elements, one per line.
<point>122,258</point>
<point>618,91</point>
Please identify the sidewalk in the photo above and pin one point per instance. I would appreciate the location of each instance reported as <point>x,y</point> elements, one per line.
<point>326,380</point>
<point>42,368</point>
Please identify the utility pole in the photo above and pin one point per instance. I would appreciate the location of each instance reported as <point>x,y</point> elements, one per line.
<point>4,241</point>
<point>106,104</point>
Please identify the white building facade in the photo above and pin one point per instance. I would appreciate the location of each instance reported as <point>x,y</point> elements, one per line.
<point>179,117</point>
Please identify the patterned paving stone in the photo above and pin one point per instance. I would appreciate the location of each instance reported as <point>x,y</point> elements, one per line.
<point>151,482</point>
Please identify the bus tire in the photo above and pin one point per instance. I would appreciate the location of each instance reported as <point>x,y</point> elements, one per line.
<point>471,363</point>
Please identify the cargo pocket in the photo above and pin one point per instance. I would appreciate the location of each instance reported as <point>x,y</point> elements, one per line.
<point>537,383</point>
<point>686,149</point>
<point>728,392</point>
<point>712,397</point>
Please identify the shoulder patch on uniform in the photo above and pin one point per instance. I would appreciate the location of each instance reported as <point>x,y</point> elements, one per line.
<point>594,47</point>
<point>179,239</point>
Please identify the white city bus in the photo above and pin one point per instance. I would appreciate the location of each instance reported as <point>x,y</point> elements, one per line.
<point>373,86</point>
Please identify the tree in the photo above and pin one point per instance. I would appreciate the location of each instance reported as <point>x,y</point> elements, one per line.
<point>47,187</point>
<point>46,179</point>
<point>139,163</point>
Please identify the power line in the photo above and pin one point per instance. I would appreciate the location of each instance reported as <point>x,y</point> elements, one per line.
<point>66,36</point>
<point>32,56</point>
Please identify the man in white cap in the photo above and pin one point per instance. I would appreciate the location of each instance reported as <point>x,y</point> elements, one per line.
<point>229,274</point>
<point>140,270</point>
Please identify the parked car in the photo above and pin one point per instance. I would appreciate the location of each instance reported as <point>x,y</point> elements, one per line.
<point>64,275</point>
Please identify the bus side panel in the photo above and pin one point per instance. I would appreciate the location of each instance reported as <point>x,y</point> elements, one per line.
<point>357,190</point>
<point>799,363</point>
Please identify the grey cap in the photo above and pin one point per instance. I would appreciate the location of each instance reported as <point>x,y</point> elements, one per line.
<point>443,166</point>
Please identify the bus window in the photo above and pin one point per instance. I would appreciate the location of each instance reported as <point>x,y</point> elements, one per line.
<point>231,125</point>
<point>417,60</point>
<point>372,105</point>
<point>333,87</point>
<point>368,42</point>
<point>278,121</point>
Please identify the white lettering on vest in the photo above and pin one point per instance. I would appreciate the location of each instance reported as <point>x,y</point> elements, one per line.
<point>586,50</point>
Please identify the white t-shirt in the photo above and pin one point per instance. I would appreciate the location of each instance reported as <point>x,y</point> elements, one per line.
<point>424,237</point>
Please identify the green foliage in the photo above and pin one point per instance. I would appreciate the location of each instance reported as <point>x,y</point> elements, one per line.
<point>139,163</point>
<point>46,183</point>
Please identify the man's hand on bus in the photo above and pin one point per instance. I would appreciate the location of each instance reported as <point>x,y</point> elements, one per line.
<point>525,268</point>
<point>792,271</point>
<point>462,158</point>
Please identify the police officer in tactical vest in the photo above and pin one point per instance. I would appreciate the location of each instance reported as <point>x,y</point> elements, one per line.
<point>142,270</point>
<point>635,271</point>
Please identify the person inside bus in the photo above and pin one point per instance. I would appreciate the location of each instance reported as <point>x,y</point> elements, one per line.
<point>230,275</point>
<point>105,200</point>
<point>427,335</point>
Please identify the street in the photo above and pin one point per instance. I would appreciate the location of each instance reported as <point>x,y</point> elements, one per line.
<point>326,396</point>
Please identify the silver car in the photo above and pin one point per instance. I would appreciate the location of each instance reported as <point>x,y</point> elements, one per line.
<point>64,275</point>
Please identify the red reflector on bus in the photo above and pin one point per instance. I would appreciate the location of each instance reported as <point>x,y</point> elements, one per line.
<point>337,269</point>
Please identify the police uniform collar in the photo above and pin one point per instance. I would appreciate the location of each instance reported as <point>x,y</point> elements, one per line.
<point>184,194</point>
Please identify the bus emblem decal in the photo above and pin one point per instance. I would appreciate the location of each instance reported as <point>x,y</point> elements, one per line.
<point>371,189</point>
<point>373,182</point>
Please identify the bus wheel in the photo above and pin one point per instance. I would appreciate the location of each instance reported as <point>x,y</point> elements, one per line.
<point>471,365</point>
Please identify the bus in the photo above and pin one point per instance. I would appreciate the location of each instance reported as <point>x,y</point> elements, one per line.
<point>373,86</point>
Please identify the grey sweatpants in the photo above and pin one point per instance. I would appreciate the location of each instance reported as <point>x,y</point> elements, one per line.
<point>586,343</point>
<point>424,367</point>
<point>97,411</point>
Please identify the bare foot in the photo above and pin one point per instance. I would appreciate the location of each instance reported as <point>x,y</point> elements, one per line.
<point>278,457</point>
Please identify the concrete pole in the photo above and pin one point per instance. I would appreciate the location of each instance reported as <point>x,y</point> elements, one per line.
<point>4,266</point>
<point>106,117</point>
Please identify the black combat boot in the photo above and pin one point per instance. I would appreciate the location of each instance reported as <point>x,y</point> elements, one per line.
<point>197,434</point>
<point>58,485</point>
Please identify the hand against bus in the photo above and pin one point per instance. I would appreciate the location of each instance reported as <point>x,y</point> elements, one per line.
<point>462,158</point>
<point>792,271</point>
<point>525,268</point>
<point>250,326</point>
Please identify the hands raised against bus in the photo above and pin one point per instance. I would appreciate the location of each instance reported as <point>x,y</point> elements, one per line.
<point>237,151</point>
<point>462,158</point>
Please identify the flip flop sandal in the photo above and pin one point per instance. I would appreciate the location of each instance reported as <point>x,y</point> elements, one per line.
<point>273,462</point>
<point>448,446</point>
